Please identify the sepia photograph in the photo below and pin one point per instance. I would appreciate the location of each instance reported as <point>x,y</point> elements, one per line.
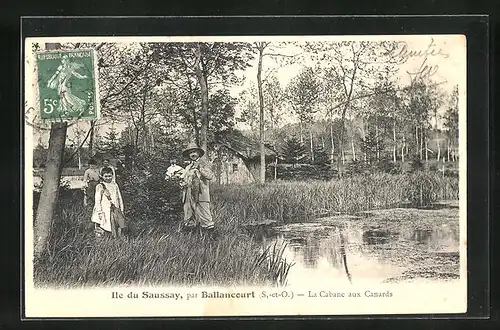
<point>245,176</point>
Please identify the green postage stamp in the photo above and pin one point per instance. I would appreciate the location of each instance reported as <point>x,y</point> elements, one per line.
<point>67,84</point>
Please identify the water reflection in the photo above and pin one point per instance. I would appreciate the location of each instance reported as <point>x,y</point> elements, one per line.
<point>343,253</point>
<point>311,252</point>
<point>354,250</point>
<point>422,235</point>
<point>373,237</point>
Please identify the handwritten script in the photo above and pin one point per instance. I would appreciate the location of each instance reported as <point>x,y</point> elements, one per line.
<point>403,53</point>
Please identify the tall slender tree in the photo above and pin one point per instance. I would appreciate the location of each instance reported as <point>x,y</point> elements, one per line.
<point>264,49</point>
<point>51,179</point>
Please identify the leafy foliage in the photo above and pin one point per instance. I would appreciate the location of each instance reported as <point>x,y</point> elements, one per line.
<point>303,93</point>
<point>416,163</point>
<point>146,192</point>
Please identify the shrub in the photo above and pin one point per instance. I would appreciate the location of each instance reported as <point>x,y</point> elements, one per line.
<point>416,163</point>
<point>150,196</point>
<point>358,167</point>
<point>147,195</point>
<point>386,165</point>
<point>433,167</point>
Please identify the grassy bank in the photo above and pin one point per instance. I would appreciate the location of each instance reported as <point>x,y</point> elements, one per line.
<point>155,254</point>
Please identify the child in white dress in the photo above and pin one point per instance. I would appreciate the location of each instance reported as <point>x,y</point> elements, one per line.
<point>107,194</point>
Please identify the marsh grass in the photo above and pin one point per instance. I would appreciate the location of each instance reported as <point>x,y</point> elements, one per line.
<point>278,266</point>
<point>290,202</point>
<point>156,253</point>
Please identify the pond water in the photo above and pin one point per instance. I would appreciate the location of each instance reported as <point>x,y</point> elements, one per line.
<point>383,246</point>
<point>73,182</point>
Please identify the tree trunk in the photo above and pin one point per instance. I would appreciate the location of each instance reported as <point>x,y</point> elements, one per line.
<point>421,143</point>
<point>196,131</point>
<point>448,151</point>
<point>332,142</point>
<point>50,189</point>
<point>394,156</point>
<point>152,139</point>
<point>91,140</point>
<point>323,141</point>
<point>426,151</point>
<point>344,111</point>
<point>376,140</point>
<point>51,179</point>
<point>416,140</point>
<point>353,149</point>
<point>301,132</point>
<point>79,159</point>
<point>403,149</point>
<point>439,150</point>
<point>276,167</point>
<point>261,47</point>
<point>144,129</point>
<point>204,97</point>
<point>136,148</point>
<point>363,133</point>
<point>341,141</point>
<point>79,155</point>
<point>312,146</point>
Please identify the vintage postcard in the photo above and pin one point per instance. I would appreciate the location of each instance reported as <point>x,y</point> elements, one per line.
<point>245,176</point>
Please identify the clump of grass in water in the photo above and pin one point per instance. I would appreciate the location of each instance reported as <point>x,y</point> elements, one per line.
<point>422,189</point>
<point>277,265</point>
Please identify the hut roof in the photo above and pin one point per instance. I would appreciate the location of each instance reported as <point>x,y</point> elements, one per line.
<point>244,146</point>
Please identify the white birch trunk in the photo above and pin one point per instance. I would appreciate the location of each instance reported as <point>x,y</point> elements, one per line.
<point>395,142</point>
<point>353,150</point>
<point>312,146</point>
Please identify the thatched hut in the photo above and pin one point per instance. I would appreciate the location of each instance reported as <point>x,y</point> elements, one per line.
<point>237,159</point>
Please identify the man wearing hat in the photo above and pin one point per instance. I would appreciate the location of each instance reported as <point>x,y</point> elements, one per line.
<point>196,191</point>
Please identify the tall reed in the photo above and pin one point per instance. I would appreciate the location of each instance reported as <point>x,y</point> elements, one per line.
<point>288,201</point>
<point>157,254</point>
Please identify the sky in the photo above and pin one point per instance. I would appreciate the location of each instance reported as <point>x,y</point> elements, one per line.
<point>444,55</point>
